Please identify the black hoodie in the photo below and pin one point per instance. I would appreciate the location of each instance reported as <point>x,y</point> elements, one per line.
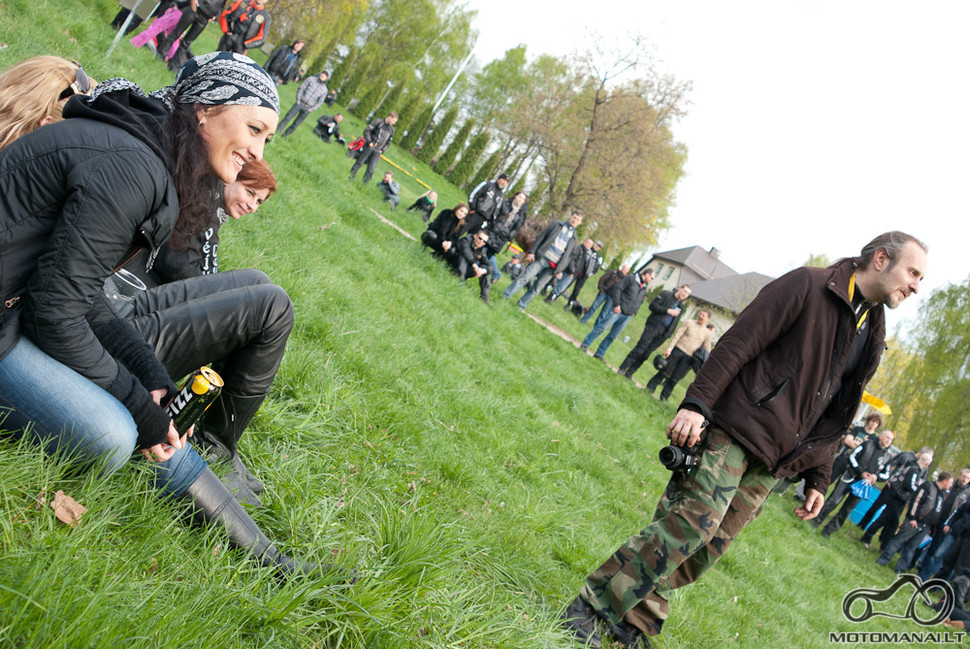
<point>74,195</point>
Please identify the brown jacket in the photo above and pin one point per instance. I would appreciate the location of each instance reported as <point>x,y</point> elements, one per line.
<point>770,381</point>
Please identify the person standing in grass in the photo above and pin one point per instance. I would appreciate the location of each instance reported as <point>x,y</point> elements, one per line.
<point>627,296</point>
<point>377,137</point>
<point>772,401</point>
<point>309,97</point>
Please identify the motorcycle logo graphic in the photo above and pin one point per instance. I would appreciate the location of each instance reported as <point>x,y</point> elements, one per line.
<point>922,592</point>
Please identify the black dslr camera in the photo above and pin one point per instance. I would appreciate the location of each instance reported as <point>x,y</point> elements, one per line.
<point>679,458</point>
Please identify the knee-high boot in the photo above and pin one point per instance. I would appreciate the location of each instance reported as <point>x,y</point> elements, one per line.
<point>212,503</point>
<point>220,429</point>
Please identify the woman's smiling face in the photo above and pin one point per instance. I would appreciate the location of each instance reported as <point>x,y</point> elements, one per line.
<point>234,135</point>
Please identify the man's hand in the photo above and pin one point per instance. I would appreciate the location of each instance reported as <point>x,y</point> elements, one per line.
<point>162,452</point>
<point>529,258</point>
<point>814,500</point>
<point>617,309</point>
<point>446,245</point>
<point>667,352</point>
<point>673,312</point>
<point>686,427</point>
<point>869,478</point>
<point>913,524</point>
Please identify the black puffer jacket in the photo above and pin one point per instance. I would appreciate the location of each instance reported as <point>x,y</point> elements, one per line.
<point>74,196</point>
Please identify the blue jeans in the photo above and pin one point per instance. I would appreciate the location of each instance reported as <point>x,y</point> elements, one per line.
<point>608,318</point>
<point>64,412</point>
<point>601,298</point>
<point>540,269</point>
<point>493,260</point>
<point>932,563</point>
<point>561,285</point>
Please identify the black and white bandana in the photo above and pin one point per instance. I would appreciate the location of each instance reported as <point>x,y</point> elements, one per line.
<point>222,79</point>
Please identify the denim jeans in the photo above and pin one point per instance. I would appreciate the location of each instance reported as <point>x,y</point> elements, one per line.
<point>524,278</point>
<point>608,318</point>
<point>601,298</point>
<point>493,260</point>
<point>66,413</point>
<point>933,562</point>
<point>561,285</point>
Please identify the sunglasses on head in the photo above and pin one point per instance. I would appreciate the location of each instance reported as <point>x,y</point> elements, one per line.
<point>80,86</point>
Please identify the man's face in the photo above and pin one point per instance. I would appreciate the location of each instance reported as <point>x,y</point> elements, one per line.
<point>682,293</point>
<point>872,425</point>
<point>324,76</point>
<point>502,183</point>
<point>388,176</point>
<point>964,477</point>
<point>924,461</point>
<point>338,118</point>
<point>703,317</point>
<point>893,285</point>
<point>479,239</point>
<point>575,220</point>
<point>588,244</point>
<point>298,46</point>
<point>886,439</point>
<point>624,269</point>
<point>391,119</point>
<point>946,484</point>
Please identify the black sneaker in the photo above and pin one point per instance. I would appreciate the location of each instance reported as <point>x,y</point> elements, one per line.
<point>582,623</point>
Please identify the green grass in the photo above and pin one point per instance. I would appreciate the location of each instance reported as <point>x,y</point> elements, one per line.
<point>472,465</point>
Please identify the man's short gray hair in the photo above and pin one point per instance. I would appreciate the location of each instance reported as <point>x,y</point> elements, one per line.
<point>892,242</point>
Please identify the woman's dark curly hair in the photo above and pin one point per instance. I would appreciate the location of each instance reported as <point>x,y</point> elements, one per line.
<point>198,190</point>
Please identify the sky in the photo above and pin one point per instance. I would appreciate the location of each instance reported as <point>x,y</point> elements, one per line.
<point>812,127</point>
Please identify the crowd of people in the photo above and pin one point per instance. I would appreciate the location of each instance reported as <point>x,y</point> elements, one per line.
<point>186,158</point>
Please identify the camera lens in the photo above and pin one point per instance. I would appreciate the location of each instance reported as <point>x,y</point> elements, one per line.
<point>671,457</point>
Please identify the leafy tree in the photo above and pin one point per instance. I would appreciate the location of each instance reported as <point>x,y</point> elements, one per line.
<point>409,108</point>
<point>392,98</point>
<point>349,90</point>
<point>927,382</point>
<point>371,98</point>
<point>447,159</point>
<point>342,70</point>
<point>817,261</point>
<point>469,159</point>
<point>321,23</point>
<point>417,128</point>
<point>487,170</point>
<point>432,143</point>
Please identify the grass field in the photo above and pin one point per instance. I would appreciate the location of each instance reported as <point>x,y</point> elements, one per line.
<point>472,465</point>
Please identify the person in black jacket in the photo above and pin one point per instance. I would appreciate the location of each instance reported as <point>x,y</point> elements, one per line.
<point>627,297</point>
<point>194,19</point>
<point>924,512</point>
<point>245,24</point>
<point>470,259</point>
<point>592,262</point>
<point>486,198</point>
<point>503,227</point>
<point>328,126</point>
<point>665,310</point>
<point>425,203</point>
<point>604,285</point>
<point>446,229</point>
<point>74,376</point>
<point>868,462</point>
<point>284,63</point>
<point>377,137</point>
<point>906,472</point>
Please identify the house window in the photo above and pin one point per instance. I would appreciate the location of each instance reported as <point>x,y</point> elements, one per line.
<point>659,268</point>
<point>670,271</point>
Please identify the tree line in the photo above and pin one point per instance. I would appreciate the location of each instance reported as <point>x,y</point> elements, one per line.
<point>593,130</point>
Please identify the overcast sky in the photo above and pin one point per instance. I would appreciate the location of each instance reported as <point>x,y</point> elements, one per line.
<point>813,126</point>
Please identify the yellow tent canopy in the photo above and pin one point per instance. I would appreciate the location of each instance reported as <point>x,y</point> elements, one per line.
<point>876,403</point>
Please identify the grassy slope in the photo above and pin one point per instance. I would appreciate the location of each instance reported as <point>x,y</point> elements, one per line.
<point>473,465</point>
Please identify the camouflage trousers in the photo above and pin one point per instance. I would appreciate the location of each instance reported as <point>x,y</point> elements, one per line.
<point>699,515</point>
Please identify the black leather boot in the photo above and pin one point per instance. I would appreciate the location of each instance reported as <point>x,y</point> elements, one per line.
<point>213,504</point>
<point>220,429</point>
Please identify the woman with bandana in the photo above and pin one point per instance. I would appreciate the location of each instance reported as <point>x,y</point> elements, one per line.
<point>124,170</point>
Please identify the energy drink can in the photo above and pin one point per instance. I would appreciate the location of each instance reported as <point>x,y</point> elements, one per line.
<point>198,393</point>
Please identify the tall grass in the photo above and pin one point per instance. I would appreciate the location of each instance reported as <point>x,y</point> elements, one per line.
<point>473,466</point>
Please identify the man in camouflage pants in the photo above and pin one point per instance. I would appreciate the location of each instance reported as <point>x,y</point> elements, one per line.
<point>772,401</point>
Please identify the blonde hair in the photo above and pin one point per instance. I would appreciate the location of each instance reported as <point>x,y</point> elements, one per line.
<point>30,92</point>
